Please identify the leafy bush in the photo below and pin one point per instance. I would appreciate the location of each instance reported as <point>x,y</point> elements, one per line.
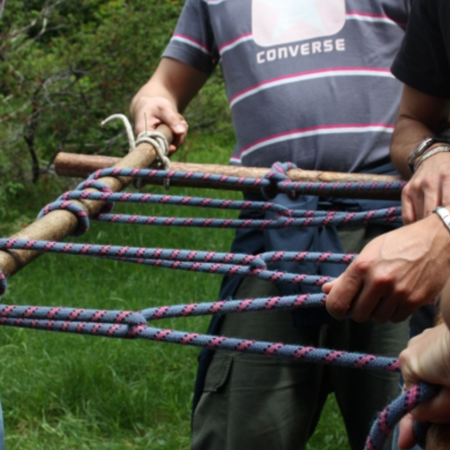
<point>65,65</point>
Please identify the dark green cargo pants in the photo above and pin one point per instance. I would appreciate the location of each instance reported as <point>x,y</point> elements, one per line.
<point>253,402</point>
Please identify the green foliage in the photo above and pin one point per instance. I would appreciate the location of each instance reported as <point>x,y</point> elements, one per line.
<point>20,202</point>
<point>9,191</point>
<point>65,65</point>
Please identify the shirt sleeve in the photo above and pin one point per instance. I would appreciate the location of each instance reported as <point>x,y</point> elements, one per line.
<point>193,41</point>
<point>422,61</point>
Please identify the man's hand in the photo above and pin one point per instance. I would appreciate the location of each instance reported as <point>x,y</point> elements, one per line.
<point>164,96</point>
<point>428,188</point>
<point>427,358</point>
<point>420,115</point>
<point>394,274</point>
<point>150,112</point>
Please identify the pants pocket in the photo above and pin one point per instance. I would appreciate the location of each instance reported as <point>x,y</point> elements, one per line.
<point>218,372</point>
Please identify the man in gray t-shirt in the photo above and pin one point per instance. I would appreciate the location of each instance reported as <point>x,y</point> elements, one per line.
<point>308,81</point>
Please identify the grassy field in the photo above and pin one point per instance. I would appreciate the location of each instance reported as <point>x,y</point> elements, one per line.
<point>80,392</point>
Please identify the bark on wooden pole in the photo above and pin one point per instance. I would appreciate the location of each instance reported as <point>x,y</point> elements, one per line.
<point>59,224</point>
<point>75,165</point>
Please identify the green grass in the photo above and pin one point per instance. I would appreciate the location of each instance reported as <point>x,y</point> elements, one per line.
<point>79,392</point>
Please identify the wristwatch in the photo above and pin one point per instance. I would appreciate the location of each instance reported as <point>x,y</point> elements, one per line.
<point>423,147</point>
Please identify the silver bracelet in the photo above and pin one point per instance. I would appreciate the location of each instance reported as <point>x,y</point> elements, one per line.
<point>444,215</point>
<point>431,152</point>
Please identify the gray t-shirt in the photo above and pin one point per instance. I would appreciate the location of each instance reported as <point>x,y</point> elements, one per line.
<point>308,81</point>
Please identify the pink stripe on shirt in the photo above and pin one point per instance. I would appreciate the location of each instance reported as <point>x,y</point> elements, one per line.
<point>191,41</point>
<point>382,17</point>
<point>314,131</point>
<point>337,71</point>
<point>234,42</point>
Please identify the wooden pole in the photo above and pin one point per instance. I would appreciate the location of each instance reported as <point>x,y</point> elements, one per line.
<point>75,165</point>
<point>59,224</point>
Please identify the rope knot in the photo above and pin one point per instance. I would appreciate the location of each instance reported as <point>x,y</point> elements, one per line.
<point>277,174</point>
<point>257,265</point>
<point>154,138</point>
<point>77,210</point>
<point>159,141</point>
<point>161,146</point>
<point>102,187</point>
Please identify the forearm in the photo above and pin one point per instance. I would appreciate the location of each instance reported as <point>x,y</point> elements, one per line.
<point>420,115</point>
<point>409,132</point>
<point>152,89</point>
<point>173,80</point>
<point>164,96</point>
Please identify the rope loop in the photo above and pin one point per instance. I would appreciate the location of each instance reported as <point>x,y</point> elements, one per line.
<point>161,146</point>
<point>277,174</point>
<point>257,263</point>
<point>392,414</point>
<point>100,186</point>
<point>97,184</point>
<point>154,138</point>
<point>80,213</point>
<point>127,125</point>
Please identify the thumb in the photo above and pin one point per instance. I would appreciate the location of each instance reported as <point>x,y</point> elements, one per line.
<point>327,287</point>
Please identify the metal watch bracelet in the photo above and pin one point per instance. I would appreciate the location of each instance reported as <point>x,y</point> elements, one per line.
<point>432,151</point>
<point>444,215</point>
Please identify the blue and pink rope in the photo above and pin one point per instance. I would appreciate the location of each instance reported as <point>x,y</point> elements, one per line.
<point>134,324</point>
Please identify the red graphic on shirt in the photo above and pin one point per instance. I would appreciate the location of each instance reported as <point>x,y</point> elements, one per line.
<point>277,22</point>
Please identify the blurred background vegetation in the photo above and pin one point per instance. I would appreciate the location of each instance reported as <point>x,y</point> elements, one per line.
<point>66,65</point>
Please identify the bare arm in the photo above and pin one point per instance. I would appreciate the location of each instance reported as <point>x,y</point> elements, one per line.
<point>402,270</point>
<point>165,96</point>
<point>420,115</point>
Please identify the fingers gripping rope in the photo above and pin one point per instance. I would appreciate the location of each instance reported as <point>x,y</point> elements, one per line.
<point>391,415</point>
